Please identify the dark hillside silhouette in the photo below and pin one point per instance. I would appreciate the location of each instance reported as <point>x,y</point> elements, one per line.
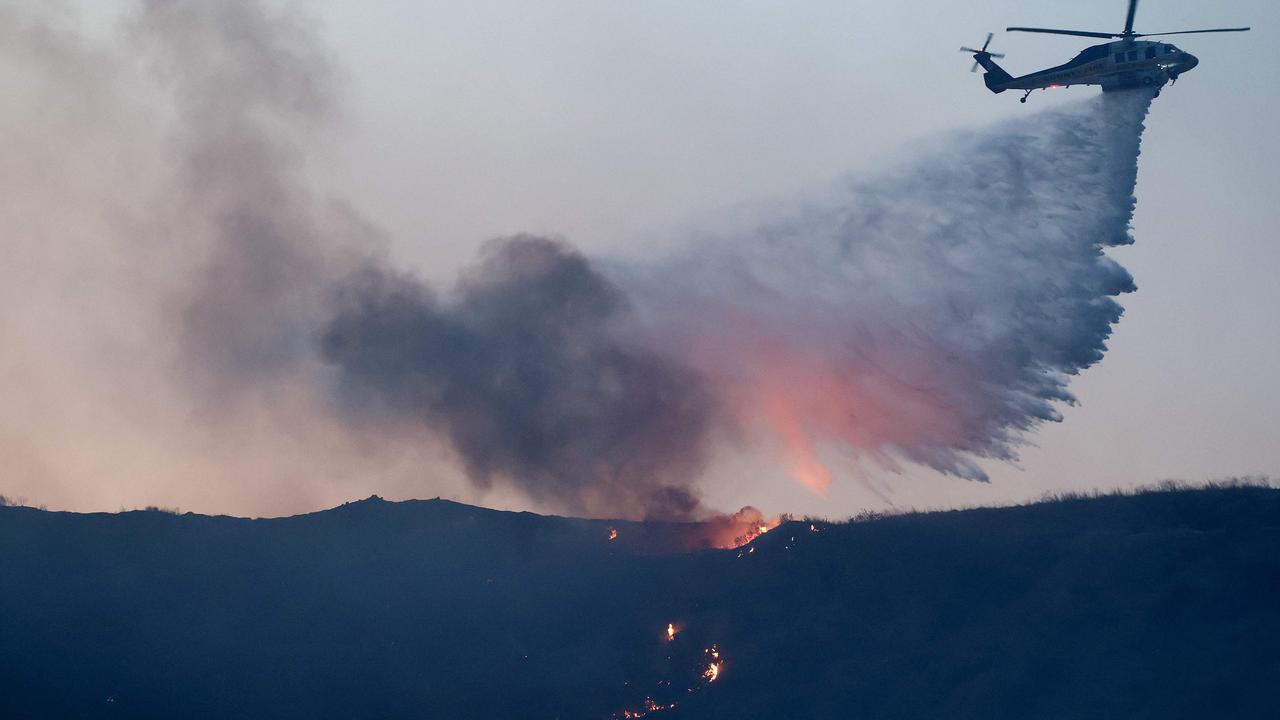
<point>1160,605</point>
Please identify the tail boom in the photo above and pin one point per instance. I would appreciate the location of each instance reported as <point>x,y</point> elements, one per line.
<point>995,77</point>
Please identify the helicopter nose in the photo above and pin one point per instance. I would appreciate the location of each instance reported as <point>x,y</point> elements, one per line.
<point>1189,61</point>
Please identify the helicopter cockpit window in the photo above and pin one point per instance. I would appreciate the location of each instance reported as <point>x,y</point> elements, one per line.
<point>1169,50</point>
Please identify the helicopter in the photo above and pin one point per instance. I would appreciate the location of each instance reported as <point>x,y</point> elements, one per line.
<point>1118,65</point>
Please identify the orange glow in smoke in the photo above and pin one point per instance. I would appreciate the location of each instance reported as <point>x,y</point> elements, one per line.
<point>802,457</point>
<point>806,396</point>
<point>740,528</point>
<point>727,532</point>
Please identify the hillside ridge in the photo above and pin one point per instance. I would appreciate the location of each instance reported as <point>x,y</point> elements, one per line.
<point>1160,604</point>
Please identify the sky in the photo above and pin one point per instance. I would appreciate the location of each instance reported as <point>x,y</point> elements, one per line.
<point>622,126</point>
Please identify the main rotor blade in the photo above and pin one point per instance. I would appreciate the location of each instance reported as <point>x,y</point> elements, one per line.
<point>1128,19</point>
<point>1051,31</point>
<point>1190,32</point>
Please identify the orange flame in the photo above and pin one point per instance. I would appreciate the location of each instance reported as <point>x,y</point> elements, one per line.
<point>671,632</point>
<point>650,706</point>
<point>613,534</point>
<point>713,667</point>
<point>740,528</point>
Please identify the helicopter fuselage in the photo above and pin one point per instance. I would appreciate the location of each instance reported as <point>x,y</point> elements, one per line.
<point>1117,65</point>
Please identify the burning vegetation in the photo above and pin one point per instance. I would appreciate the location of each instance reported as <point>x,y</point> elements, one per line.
<point>650,706</point>
<point>713,665</point>
<point>686,668</point>
<point>723,532</point>
<point>746,525</point>
<point>728,532</point>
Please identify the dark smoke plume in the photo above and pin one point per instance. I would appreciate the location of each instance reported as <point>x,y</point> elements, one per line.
<point>253,93</point>
<point>535,371</point>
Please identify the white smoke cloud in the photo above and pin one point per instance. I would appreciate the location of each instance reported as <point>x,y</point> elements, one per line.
<point>933,313</point>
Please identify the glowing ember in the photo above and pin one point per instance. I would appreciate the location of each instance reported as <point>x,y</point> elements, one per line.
<point>813,528</point>
<point>671,632</point>
<point>613,534</point>
<point>650,706</point>
<point>713,665</point>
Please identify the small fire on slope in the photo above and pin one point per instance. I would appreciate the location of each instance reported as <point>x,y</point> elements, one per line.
<point>733,531</point>
<point>650,706</point>
<point>711,663</point>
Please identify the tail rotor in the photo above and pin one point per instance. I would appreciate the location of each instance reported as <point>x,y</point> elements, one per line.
<point>982,51</point>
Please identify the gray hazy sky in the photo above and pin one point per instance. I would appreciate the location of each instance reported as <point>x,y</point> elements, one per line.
<point>619,125</point>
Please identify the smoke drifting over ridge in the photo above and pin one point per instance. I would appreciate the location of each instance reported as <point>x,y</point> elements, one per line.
<point>241,324</point>
<point>535,373</point>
